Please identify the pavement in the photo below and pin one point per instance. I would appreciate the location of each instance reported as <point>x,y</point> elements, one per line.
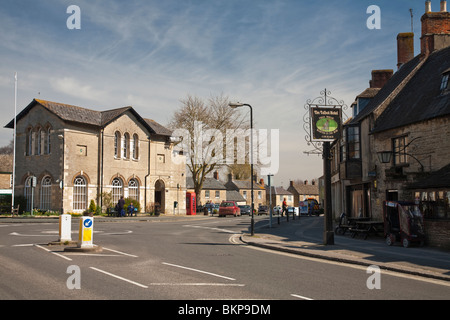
<point>304,237</point>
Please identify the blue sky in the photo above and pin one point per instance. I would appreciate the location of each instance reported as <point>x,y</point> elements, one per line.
<point>272,54</point>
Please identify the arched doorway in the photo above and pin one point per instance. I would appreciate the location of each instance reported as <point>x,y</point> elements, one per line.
<point>160,195</point>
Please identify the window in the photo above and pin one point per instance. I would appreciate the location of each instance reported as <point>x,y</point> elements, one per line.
<point>126,146</point>
<point>133,189</point>
<point>28,193</point>
<point>117,144</point>
<point>444,83</point>
<point>207,194</point>
<point>117,190</point>
<point>29,142</point>
<point>399,146</point>
<point>217,194</point>
<point>47,141</point>
<point>259,195</point>
<point>135,146</point>
<point>80,193</point>
<point>46,193</point>
<point>353,143</point>
<point>244,194</point>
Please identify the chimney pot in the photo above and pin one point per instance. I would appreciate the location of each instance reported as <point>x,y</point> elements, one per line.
<point>443,6</point>
<point>427,6</point>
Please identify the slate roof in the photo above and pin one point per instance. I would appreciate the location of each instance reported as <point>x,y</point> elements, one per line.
<point>305,188</point>
<point>77,114</point>
<point>233,195</point>
<point>208,184</point>
<point>396,79</point>
<point>421,99</point>
<point>278,191</point>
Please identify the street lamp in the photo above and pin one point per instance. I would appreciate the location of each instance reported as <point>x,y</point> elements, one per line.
<point>235,105</point>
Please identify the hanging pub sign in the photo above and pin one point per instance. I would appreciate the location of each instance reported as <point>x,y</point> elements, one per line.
<point>325,123</point>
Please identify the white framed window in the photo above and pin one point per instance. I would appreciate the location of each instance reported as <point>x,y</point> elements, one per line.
<point>117,190</point>
<point>27,192</point>
<point>117,144</point>
<point>46,193</point>
<point>126,146</point>
<point>133,189</point>
<point>135,147</point>
<point>80,193</point>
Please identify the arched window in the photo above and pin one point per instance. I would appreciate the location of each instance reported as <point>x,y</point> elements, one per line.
<point>135,146</point>
<point>126,145</point>
<point>27,192</point>
<point>117,144</point>
<point>80,193</point>
<point>117,190</point>
<point>29,142</point>
<point>133,189</point>
<point>38,142</point>
<point>47,141</point>
<point>46,193</point>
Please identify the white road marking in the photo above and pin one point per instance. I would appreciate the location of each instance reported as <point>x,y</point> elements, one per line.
<point>301,297</point>
<point>210,228</point>
<point>196,270</point>
<point>199,284</point>
<point>125,254</point>
<point>55,253</point>
<point>120,278</point>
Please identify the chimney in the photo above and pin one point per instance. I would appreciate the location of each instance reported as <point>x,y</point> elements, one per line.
<point>435,29</point>
<point>216,175</point>
<point>380,77</point>
<point>306,182</point>
<point>261,182</point>
<point>291,183</point>
<point>405,48</point>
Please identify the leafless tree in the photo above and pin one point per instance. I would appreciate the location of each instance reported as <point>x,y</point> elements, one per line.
<point>212,118</point>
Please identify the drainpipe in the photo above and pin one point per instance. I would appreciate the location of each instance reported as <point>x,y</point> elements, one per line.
<point>148,175</point>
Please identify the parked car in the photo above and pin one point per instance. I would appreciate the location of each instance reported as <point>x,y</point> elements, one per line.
<point>277,210</point>
<point>263,210</point>
<point>229,208</point>
<point>293,210</point>
<point>245,209</point>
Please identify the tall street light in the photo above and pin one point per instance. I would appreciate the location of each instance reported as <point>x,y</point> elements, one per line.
<point>235,105</point>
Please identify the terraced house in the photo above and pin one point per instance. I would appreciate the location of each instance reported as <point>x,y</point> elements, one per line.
<point>68,156</point>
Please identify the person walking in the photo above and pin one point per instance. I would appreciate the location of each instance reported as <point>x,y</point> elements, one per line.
<point>120,206</point>
<point>284,207</point>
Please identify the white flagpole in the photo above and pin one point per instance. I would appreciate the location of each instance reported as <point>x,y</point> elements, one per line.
<point>14,138</point>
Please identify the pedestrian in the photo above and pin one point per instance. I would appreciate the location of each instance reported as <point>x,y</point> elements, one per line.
<point>120,206</point>
<point>284,207</point>
<point>131,209</point>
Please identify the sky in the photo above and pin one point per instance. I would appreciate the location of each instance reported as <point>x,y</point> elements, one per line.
<point>271,54</point>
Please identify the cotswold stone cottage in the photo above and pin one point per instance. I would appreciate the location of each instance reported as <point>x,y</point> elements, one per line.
<point>74,154</point>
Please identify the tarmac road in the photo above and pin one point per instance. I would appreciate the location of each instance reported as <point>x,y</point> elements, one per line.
<point>188,259</point>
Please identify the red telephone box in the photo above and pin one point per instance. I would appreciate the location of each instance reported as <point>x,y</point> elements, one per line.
<point>191,204</point>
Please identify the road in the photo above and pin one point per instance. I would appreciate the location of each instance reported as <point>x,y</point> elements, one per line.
<point>188,259</point>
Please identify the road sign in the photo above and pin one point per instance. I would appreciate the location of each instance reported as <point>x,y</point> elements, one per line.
<point>85,237</point>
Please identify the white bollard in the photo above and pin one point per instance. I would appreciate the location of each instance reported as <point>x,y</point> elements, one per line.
<point>65,228</point>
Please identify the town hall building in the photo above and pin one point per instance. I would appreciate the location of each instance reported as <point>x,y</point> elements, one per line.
<point>68,156</point>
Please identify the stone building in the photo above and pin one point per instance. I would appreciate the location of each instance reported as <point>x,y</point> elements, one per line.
<point>74,155</point>
<point>397,146</point>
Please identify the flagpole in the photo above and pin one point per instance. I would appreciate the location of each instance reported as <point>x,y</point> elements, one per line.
<point>14,139</point>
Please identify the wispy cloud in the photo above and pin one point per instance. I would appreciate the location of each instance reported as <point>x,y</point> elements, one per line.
<point>150,54</point>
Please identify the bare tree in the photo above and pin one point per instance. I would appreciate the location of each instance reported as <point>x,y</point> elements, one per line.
<point>204,126</point>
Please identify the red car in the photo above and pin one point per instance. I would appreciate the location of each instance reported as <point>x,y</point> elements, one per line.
<point>229,208</point>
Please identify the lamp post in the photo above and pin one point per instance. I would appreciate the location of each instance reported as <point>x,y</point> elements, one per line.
<point>234,106</point>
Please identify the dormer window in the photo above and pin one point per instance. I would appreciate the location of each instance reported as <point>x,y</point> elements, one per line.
<point>444,83</point>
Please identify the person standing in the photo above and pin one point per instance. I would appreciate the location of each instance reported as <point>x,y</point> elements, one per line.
<point>120,206</point>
